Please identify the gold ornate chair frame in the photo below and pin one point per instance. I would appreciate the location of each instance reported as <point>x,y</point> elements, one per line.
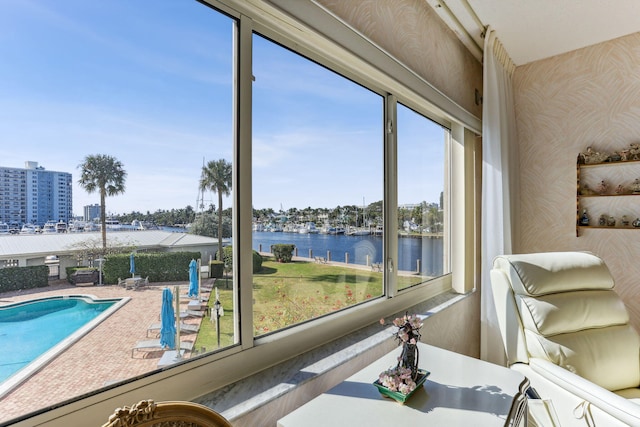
<point>148,413</point>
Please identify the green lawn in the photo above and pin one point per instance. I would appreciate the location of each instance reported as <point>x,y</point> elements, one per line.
<point>289,293</point>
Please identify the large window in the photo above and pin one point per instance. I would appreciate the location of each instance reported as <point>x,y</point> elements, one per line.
<point>423,198</point>
<point>317,189</point>
<point>349,189</point>
<point>150,84</point>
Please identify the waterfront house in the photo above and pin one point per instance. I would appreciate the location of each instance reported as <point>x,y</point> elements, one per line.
<point>565,100</point>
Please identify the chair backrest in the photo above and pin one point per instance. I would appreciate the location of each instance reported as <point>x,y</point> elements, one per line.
<point>561,307</point>
<point>147,413</point>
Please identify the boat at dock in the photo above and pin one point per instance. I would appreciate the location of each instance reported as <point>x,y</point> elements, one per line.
<point>308,228</point>
<point>358,231</point>
<point>112,224</point>
<point>28,228</point>
<point>49,227</point>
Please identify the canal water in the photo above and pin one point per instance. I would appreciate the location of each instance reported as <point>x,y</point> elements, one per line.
<point>425,253</point>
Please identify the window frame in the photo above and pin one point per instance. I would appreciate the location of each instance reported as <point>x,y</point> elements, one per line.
<point>373,69</point>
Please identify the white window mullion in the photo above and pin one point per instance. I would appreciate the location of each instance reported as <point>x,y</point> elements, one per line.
<point>390,205</point>
<point>242,185</point>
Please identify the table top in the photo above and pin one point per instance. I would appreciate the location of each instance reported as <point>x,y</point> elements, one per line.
<point>460,391</point>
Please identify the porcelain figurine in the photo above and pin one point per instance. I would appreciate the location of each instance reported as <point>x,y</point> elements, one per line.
<point>615,157</point>
<point>587,191</point>
<point>635,186</point>
<point>584,219</point>
<point>624,221</point>
<point>603,220</point>
<point>634,151</point>
<point>611,222</point>
<point>636,223</point>
<point>624,155</point>
<point>602,188</point>
<point>620,189</point>
<point>590,156</point>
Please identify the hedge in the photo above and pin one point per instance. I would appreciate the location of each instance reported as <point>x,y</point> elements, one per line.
<point>16,278</point>
<point>158,266</point>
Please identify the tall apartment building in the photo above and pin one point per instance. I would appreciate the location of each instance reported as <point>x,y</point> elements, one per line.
<point>35,195</point>
<point>92,212</point>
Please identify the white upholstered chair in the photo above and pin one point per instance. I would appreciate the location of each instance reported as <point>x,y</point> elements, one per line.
<point>565,328</point>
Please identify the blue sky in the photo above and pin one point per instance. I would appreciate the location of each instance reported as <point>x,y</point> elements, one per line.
<point>149,82</point>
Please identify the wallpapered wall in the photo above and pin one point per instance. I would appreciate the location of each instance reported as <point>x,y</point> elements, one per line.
<point>588,97</point>
<point>415,35</point>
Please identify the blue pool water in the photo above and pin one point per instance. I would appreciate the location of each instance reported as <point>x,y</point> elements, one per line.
<point>30,329</point>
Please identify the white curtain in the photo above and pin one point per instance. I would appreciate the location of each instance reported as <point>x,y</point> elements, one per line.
<point>499,182</point>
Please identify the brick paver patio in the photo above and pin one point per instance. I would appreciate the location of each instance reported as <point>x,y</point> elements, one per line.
<point>99,358</point>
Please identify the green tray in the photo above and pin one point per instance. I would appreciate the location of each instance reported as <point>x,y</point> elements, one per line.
<point>396,395</point>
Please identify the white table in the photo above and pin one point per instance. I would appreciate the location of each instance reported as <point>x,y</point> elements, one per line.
<point>461,391</point>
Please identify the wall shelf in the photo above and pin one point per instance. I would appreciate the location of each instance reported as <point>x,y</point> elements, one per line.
<point>580,167</point>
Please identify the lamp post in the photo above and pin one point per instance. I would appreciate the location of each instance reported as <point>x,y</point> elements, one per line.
<point>216,306</point>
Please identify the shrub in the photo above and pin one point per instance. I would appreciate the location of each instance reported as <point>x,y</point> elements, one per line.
<point>228,259</point>
<point>283,252</point>
<point>16,278</point>
<point>257,262</point>
<point>227,256</point>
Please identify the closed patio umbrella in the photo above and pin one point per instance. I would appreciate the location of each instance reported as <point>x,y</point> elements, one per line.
<point>168,320</point>
<point>132,265</point>
<point>193,279</point>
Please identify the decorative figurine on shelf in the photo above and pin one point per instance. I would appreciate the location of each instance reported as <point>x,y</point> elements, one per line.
<point>611,222</point>
<point>587,191</point>
<point>634,151</point>
<point>624,155</point>
<point>615,157</point>
<point>602,188</point>
<point>620,189</point>
<point>635,186</point>
<point>590,156</point>
<point>603,220</point>
<point>624,221</point>
<point>636,223</point>
<point>584,219</point>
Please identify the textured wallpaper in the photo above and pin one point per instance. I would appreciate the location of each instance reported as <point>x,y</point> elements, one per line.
<point>588,97</point>
<point>414,34</point>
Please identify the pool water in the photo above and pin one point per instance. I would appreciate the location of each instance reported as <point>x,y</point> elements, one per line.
<point>30,329</point>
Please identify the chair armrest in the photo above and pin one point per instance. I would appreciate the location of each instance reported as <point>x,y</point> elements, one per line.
<point>607,401</point>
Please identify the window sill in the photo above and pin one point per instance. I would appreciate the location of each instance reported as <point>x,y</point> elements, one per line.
<point>324,363</point>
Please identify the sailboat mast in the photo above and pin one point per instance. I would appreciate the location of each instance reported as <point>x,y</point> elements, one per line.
<point>200,198</point>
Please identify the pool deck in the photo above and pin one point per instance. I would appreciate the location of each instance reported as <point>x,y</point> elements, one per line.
<point>99,360</point>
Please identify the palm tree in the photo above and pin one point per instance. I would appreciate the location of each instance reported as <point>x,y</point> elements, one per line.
<point>105,174</point>
<point>216,176</point>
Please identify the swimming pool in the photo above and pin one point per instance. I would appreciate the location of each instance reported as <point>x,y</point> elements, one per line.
<point>34,332</point>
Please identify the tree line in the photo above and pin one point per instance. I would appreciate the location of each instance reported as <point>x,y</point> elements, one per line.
<point>106,175</point>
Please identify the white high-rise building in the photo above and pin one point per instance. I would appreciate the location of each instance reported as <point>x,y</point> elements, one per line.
<point>35,195</point>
